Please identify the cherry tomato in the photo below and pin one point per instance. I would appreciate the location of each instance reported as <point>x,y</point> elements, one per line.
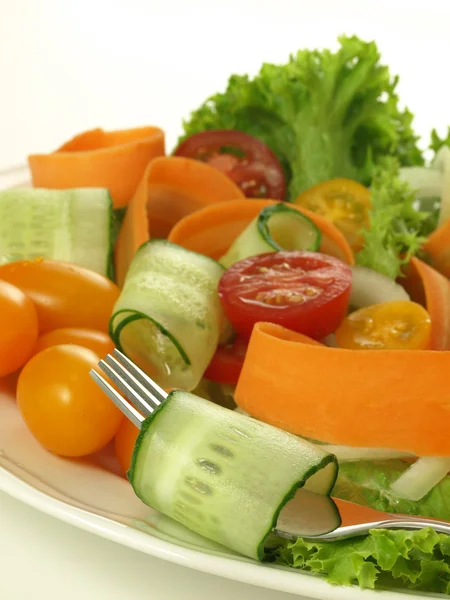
<point>97,341</point>
<point>307,292</point>
<point>18,328</point>
<point>244,158</point>
<point>227,362</point>
<point>124,444</point>
<point>387,326</point>
<point>344,202</point>
<point>65,295</point>
<point>62,406</point>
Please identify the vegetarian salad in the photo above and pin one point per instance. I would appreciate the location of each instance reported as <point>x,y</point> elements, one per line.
<point>286,271</point>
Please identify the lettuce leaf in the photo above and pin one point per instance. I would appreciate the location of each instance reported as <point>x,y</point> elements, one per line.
<point>397,229</point>
<point>369,482</point>
<point>437,142</point>
<point>415,560</point>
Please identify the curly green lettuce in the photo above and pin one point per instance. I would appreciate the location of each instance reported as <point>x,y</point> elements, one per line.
<point>324,114</point>
<point>414,560</point>
<point>437,142</point>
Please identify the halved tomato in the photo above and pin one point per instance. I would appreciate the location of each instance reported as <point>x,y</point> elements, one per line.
<point>244,158</point>
<point>304,291</point>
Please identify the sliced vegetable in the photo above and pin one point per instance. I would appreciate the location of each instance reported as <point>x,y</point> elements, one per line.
<point>226,364</point>
<point>200,464</point>
<point>65,295</point>
<point>277,227</point>
<point>242,157</point>
<point>97,341</point>
<point>370,287</point>
<point>421,477</point>
<point>387,326</point>
<point>353,454</point>
<point>442,162</point>
<point>345,203</point>
<point>431,289</point>
<point>115,160</point>
<point>170,189</point>
<point>373,398</point>
<point>305,291</point>
<point>426,182</point>
<point>18,327</point>
<point>168,317</point>
<point>69,225</point>
<point>438,248</point>
<point>212,231</point>
<point>62,406</point>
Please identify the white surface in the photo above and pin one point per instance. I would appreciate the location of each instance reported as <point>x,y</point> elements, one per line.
<point>68,65</point>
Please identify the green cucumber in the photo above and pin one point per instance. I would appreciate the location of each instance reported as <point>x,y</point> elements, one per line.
<point>228,477</point>
<point>168,317</point>
<point>68,225</point>
<point>277,227</point>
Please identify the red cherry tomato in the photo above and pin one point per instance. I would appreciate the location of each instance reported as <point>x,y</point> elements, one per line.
<point>226,364</point>
<point>244,158</point>
<point>307,292</point>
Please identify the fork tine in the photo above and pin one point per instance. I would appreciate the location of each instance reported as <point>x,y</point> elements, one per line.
<point>144,392</point>
<point>127,390</point>
<point>128,410</point>
<point>139,374</point>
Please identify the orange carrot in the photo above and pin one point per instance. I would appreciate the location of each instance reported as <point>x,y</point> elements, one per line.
<point>211,231</point>
<point>171,188</point>
<point>396,399</point>
<point>431,289</point>
<point>438,247</point>
<point>115,160</point>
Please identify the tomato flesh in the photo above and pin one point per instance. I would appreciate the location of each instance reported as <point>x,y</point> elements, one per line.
<point>18,328</point>
<point>307,292</point>
<point>227,362</point>
<point>242,157</point>
<point>62,406</point>
<point>387,326</point>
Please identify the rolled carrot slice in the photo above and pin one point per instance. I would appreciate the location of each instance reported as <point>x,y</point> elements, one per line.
<point>211,231</point>
<point>110,159</point>
<point>438,247</point>
<point>171,188</point>
<point>430,288</point>
<point>395,399</point>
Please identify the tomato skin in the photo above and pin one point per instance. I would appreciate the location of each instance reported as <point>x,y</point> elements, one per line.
<point>18,328</point>
<point>124,444</point>
<point>62,406</point>
<point>398,325</point>
<point>97,341</point>
<point>307,292</point>
<point>65,295</point>
<point>254,167</point>
<point>345,202</point>
<point>227,362</point>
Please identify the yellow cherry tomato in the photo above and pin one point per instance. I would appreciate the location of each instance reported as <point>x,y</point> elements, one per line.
<point>124,444</point>
<point>345,203</point>
<point>387,326</point>
<point>97,341</point>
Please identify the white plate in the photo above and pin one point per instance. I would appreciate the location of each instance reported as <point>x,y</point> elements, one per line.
<point>90,494</point>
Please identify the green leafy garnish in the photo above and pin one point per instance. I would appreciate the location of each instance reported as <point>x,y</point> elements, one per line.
<point>415,560</point>
<point>437,142</point>
<point>324,114</point>
<point>397,229</point>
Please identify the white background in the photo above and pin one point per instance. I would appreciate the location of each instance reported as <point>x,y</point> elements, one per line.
<point>69,65</point>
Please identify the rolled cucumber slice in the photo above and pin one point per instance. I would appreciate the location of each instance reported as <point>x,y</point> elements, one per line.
<point>69,225</point>
<point>277,227</point>
<point>168,317</point>
<point>228,477</point>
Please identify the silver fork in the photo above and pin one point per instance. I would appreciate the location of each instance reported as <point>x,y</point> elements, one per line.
<point>142,398</point>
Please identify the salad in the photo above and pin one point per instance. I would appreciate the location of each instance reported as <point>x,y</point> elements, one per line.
<point>286,271</point>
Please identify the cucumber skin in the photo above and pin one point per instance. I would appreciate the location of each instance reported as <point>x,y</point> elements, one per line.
<point>259,551</point>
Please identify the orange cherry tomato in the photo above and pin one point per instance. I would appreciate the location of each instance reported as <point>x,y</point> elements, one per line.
<point>386,326</point>
<point>345,203</point>
<point>62,406</point>
<point>18,328</point>
<point>97,341</point>
<point>65,295</point>
<point>124,444</point>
